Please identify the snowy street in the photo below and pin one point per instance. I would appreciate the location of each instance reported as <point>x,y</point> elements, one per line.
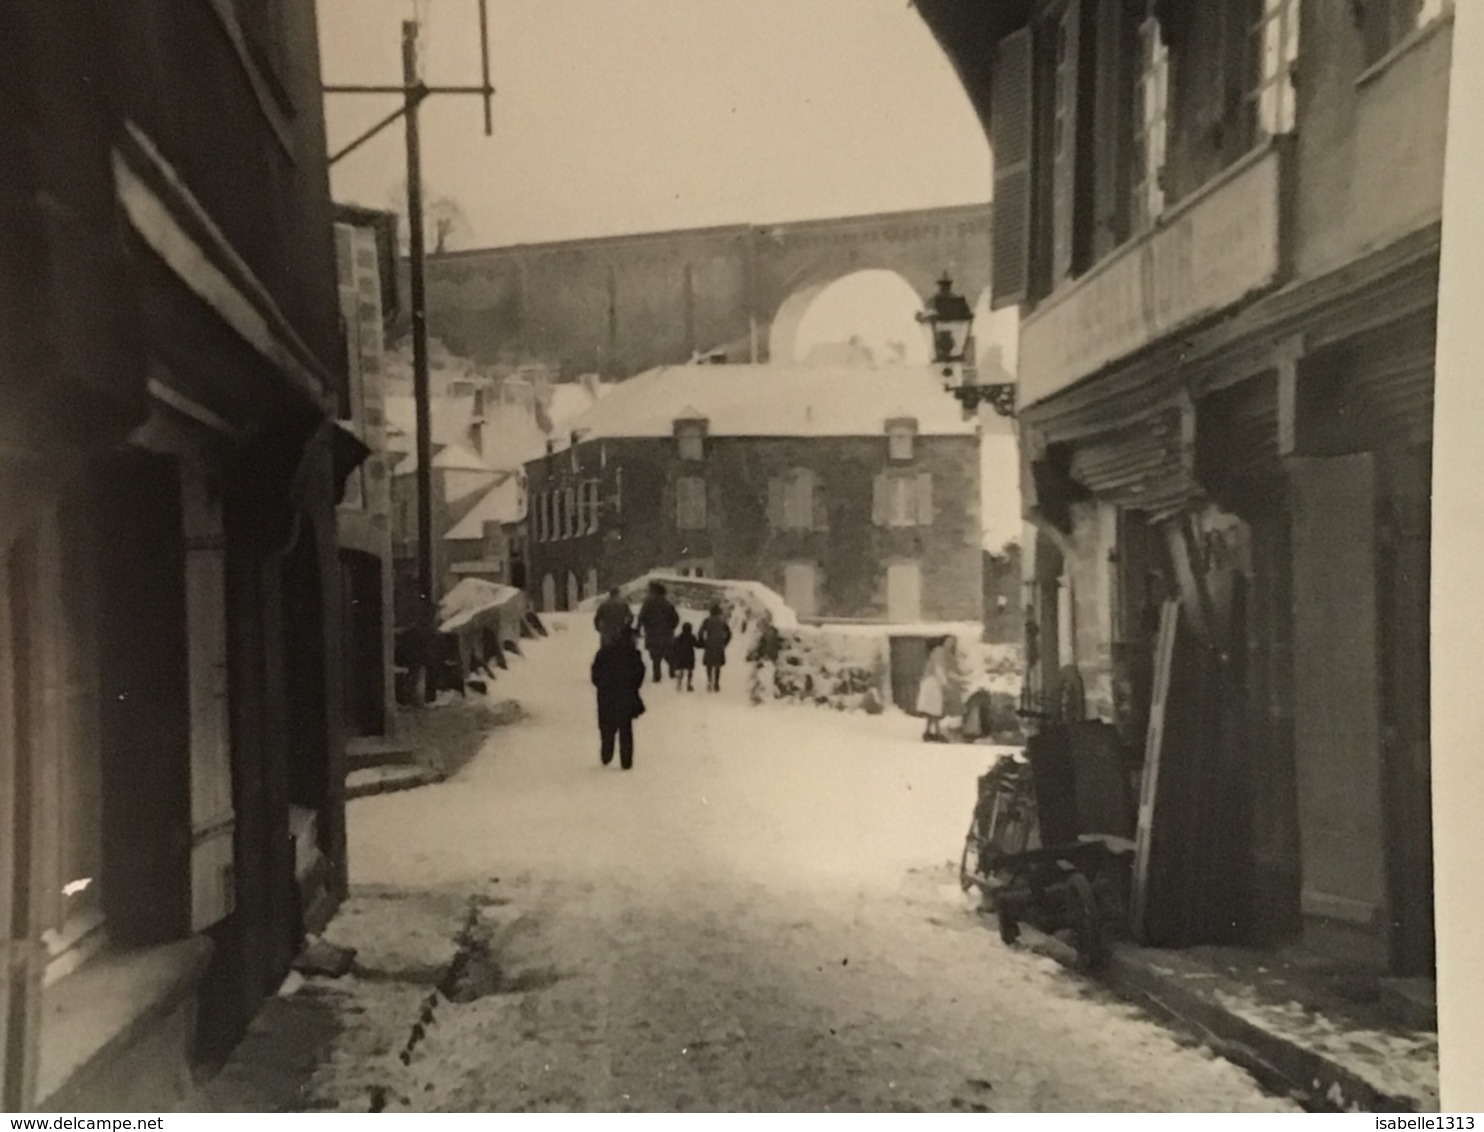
<point>763,914</point>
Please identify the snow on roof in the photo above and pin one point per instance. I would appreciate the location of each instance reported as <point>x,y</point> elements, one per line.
<point>748,400</point>
<point>458,458</point>
<point>451,417</point>
<point>503,503</point>
<point>512,436</point>
<point>569,400</point>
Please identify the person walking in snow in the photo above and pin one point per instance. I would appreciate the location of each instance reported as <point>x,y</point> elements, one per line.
<point>618,675</point>
<point>716,634</point>
<point>612,618</point>
<point>932,692</point>
<point>658,621</point>
<point>683,659</point>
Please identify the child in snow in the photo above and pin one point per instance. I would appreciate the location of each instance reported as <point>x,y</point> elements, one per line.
<point>683,659</point>
<point>716,634</point>
<point>932,692</point>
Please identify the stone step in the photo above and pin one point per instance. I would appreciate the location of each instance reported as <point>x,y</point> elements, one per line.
<point>1411,1002</point>
<point>364,752</point>
<point>388,780</point>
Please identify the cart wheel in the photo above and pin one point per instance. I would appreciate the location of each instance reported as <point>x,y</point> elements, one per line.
<point>1087,928</point>
<point>971,846</point>
<point>1009,928</point>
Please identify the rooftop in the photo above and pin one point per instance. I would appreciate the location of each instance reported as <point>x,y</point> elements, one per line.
<point>503,503</point>
<point>761,400</point>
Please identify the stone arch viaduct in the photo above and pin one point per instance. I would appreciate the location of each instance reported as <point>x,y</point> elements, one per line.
<point>619,305</point>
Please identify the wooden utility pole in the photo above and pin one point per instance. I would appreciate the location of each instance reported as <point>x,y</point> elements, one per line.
<point>414,90</point>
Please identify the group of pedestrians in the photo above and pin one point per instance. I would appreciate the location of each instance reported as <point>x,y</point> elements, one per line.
<point>619,672</point>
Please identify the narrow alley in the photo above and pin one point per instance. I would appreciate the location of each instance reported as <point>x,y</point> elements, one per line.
<point>763,914</point>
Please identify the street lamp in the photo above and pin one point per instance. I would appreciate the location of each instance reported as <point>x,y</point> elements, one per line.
<point>950,323</point>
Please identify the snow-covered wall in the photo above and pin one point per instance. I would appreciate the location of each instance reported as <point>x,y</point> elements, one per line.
<point>844,671</point>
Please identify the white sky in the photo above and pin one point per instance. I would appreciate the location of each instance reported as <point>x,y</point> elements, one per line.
<point>619,116</point>
<point>632,115</point>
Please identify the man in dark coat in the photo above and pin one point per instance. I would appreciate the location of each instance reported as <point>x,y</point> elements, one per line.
<point>612,618</point>
<point>658,621</point>
<point>618,675</point>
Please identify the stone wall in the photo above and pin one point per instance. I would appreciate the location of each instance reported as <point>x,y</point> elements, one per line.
<point>620,305</point>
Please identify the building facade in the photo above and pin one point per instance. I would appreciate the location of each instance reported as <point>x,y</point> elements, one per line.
<point>171,770</point>
<point>1221,223</point>
<point>853,493</point>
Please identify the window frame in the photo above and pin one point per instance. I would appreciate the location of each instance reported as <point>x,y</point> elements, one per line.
<point>906,435</point>
<point>901,501</point>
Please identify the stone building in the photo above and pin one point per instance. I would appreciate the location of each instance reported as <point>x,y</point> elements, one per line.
<point>1221,223</point>
<point>852,492</point>
<point>171,747</point>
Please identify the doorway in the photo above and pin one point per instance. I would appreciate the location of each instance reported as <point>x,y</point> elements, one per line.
<point>361,606</point>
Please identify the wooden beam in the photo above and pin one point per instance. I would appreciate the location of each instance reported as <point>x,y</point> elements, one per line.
<point>216,274</point>
<point>1287,357</point>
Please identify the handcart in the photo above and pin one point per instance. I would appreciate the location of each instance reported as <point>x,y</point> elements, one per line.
<point>1051,842</point>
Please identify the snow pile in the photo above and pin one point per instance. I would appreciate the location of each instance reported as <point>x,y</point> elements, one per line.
<point>848,668</point>
<point>996,668</point>
<point>747,602</point>
<point>843,671</point>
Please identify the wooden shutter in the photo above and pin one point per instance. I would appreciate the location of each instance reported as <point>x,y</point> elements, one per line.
<point>212,816</point>
<point>776,496</point>
<point>1337,722</point>
<point>881,500</point>
<point>925,500</point>
<point>1010,142</point>
<point>821,509</point>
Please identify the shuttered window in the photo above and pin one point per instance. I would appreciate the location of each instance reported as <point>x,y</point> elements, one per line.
<point>692,440</point>
<point>690,503</point>
<point>902,500</point>
<point>212,817</point>
<point>1010,139</point>
<point>798,500</point>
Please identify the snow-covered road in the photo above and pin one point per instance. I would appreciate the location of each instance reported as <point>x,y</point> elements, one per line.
<point>760,916</point>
